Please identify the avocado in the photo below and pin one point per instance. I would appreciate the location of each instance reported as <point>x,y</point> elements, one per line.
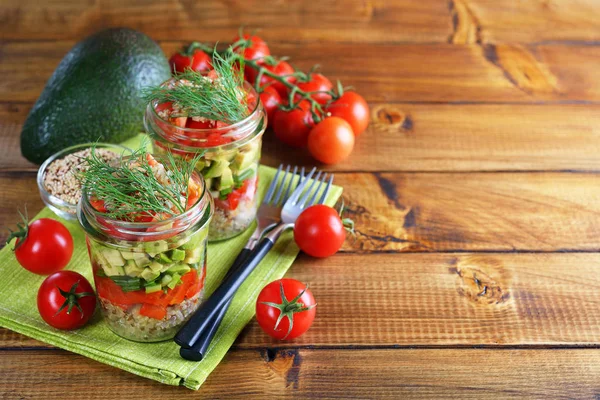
<point>180,269</point>
<point>195,240</point>
<point>113,257</point>
<point>153,248</point>
<point>193,255</point>
<point>216,168</point>
<point>153,288</point>
<point>164,281</point>
<point>177,255</point>
<point>245,159</point>
<point>95,93</point>
<point>164,259</point>
<point>156,267</point>
<point>149,275</point>
<point>226,180</point>
<point>175,278</point>
<point>132,269</point>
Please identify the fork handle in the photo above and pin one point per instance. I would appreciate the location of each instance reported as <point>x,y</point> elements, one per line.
<point>190,332</point>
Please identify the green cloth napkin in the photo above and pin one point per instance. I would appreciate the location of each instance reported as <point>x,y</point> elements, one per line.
<point>158,361</point>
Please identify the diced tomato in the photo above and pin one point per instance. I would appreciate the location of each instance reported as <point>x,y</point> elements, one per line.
<point>206,124</point>
<point>152,311</point>
<point>179,121</point>
<point>98,205</point>
<point>247,190</point>
<point>112,292</point>
<point>234,199</point>
<point>168,105</point>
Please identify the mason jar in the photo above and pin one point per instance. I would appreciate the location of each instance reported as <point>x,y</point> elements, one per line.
<point>228,160</point>
<point>149,276</point>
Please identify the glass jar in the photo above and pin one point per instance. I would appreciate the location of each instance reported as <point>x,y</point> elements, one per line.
<point>149,276</point>
<point>229,158</point>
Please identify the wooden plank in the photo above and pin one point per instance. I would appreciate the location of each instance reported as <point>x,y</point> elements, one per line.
<point>419,374</point>
<point>411,73</point>
<point>427,137</point>
<point>425,212</point>
<point>440,300</point>
<point>427,21</point>
<point>324,21</point>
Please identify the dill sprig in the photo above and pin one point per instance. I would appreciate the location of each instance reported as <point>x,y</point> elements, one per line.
<point>130,189</point>
<point>222,100</point>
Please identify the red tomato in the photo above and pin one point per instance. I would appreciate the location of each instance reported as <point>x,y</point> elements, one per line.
<point>319,231</point>
<point>152,311</point>
<point>43,247</point>
<point>316,83</point>
<point>258,48</point>
<point>206,124</point>
<point>66,300</point>
<point>194,59</point>
<point>292,127</point>
<point>353,109</point>
<point>271,101</point>
<point>282,68</point>
<point>279,298</point>
<point>331,140</point>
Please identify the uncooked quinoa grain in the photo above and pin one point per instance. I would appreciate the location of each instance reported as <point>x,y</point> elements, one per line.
<point>60,178</point>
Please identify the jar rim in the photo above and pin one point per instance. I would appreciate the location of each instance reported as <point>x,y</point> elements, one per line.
<point>97,223</point>
<point>241,130</point>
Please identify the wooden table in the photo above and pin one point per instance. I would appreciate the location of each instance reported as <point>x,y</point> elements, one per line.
<point>475,269</point>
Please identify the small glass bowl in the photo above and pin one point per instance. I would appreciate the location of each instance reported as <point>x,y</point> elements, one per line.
<point>60,207</point>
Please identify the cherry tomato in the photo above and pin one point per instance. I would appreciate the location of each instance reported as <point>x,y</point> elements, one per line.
<point>317,83</point>
<point>271,101</point>
<point>279,298</point>
<point>257,49</point>
<point>191,58</point>
<point>292,127</point>
<point>43,247</point>
<point>319,231</point>
<point>331,140</point>
<point>282,68</point>
<point>353,108</point>
<point>66,300</point>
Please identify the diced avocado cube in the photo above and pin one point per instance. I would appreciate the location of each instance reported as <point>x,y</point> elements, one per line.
<point>113,257</point>
<point>141,259</point>
<point>164,281</point>
<point>195,240</point>
<point>208,182</point>
<point>177,254</point>
<point>149,275</point>
<point>127,255</point>
<point>193,255</point>
<point>226,180</point>
<point>132,269</point>
<point>163,259</point>
<point>153,288</point>
<point>180,269</point>
<point>245,159</point>
<point>174,281</point>
<point>159,246</point>
<point>216,168</point>
<point>155,266</point>
<point>113,270</point>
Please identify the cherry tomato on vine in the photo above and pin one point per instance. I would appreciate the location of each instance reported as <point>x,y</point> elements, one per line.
<point>191,58</point>
<point>331,140</point>
<point>282,68</point>
<point>319,231</point>
<point>285,309</point>
<point>42,247</point>
<point>66,300</point>
<point>316,83</point>
<point>257,49</point>
<point>292,127</point>
<point>271,101</point>
<point>353,108</point>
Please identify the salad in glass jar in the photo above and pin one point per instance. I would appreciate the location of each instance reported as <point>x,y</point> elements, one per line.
<point>218,119</point>
<point>146,221</point>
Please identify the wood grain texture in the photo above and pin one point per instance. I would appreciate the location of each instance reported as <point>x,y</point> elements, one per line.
<point>425,21</point>
<point>421,374</point>
<point>427,137</point>
<point>439,300</point>
<point>427,212</point>
<point>438,73</point>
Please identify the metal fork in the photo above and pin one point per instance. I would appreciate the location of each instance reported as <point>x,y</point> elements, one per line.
<point>302,197</point>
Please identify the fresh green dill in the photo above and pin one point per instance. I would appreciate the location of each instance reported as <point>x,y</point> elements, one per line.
<point>129,188</point>
<point>221,100</point>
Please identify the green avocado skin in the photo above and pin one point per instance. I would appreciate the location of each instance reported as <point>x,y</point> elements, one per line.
<point>95,93</point>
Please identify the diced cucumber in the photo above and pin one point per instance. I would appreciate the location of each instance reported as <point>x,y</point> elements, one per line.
<point>193,255</point>
<point>174,281</point>
<point>132,269</point>
<point>180,269</point>
<point>164,259</point>
<point>113,256</point>
<point>149,275</point>
<point>177,254</point>
<point>153,288</point>
<point>164,281</point>
<point>155,266</point>
<point>156,247</point>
